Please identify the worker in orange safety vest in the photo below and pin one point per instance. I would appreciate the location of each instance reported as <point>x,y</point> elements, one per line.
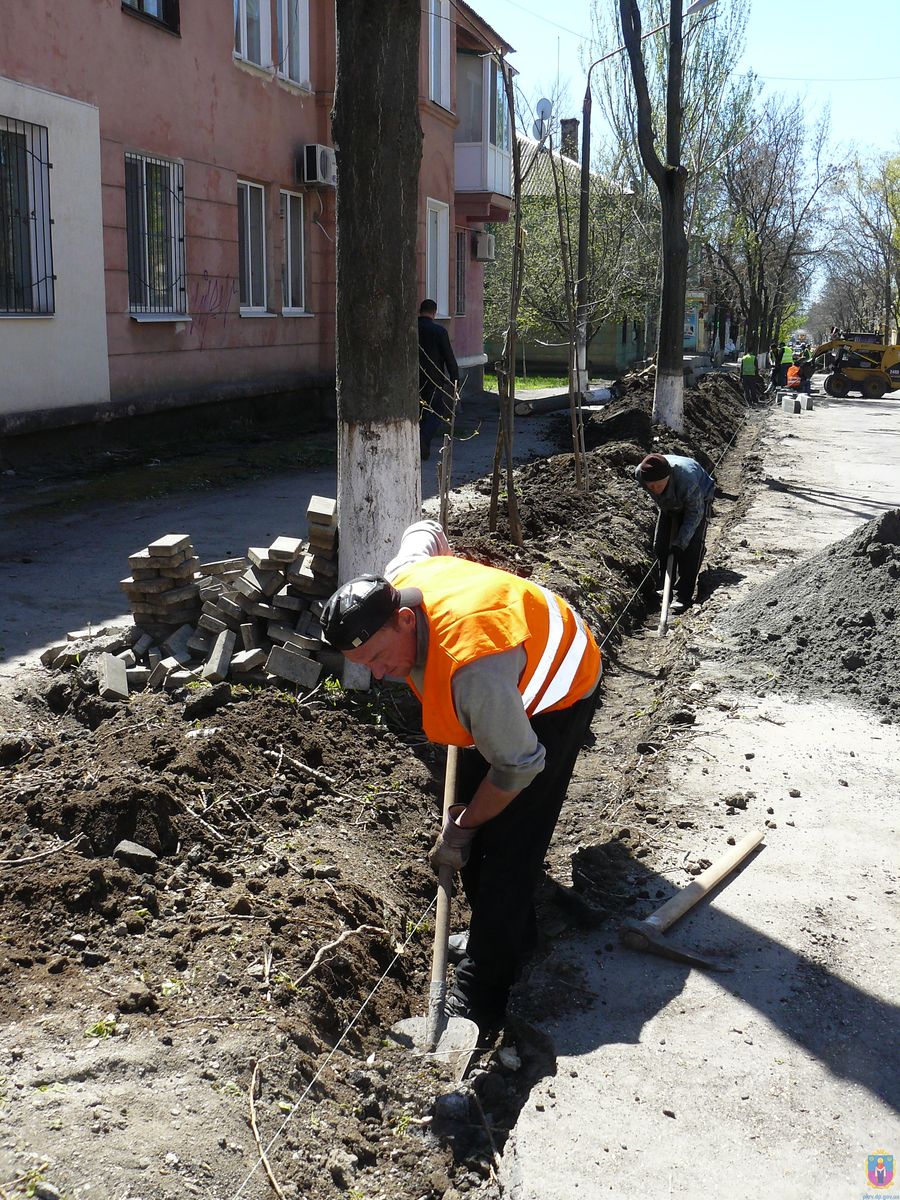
<point>507,671</point>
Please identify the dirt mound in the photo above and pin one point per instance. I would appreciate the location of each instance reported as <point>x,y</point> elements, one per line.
<point>831,624</point>
<point>712,412</point>
<point>284,862</point>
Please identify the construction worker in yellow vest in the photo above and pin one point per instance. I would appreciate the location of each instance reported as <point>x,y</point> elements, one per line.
<point>750,378</point>
<point>507,671</point>
<point>787,358</point>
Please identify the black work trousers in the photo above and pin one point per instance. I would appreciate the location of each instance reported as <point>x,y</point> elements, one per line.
<point>687,563</point>
<point>507,857</point>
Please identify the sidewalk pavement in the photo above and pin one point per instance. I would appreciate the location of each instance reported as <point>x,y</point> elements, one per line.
<point>60,570</point>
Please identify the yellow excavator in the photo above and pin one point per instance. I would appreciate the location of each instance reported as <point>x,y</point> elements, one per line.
<point>860,365</point>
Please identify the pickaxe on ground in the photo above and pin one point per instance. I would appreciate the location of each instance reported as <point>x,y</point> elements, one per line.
<point>647,934</point>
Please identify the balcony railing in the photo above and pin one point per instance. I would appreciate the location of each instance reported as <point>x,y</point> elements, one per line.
<point>481,167</point>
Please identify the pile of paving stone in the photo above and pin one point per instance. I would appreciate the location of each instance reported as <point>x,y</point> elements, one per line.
<point>830,624</point>
<point>252,620</point>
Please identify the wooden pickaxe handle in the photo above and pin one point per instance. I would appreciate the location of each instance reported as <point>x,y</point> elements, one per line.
<point>684,901</point>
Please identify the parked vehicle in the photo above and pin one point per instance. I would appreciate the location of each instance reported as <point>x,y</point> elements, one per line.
<point>870,368</point>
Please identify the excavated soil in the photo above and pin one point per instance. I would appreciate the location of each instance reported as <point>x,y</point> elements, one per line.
<point>246,971</point>
<point>830,623</point>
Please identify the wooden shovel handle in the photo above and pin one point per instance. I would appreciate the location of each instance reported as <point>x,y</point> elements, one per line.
<point>685,900</point>
<point>445,880</point>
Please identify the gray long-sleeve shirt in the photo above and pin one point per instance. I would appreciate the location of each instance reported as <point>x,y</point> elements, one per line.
<point>486,692</point>
<point>688,492</point>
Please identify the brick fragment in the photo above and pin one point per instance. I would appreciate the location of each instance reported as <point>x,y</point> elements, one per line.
<point>293,667</point>
<point>285,549</point>
<point>142,645</point>
<point>113,679</point>
<point>267,582</point>
<point>161,671</point>
<point>137,678</point>
<point>322,510</point>
<point>171,544</point>
<point>259,557</point>
<point>247,660</point>
<point>248,636</point>
<point>216,666</point>
<point>49,656</point>
<point>224,566</point>
<point>128,657</point>
<point>213,624</point>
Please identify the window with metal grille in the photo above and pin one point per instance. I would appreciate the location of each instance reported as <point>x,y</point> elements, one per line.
<point>26,255</point>
<point>252,246</point>
<point>163,12</point>
<point>154,219</point>
<point>292,289</point>
<point>462,255</point>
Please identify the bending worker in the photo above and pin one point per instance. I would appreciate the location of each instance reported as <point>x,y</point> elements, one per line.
<point>683,492</point>
<point>507,670</point>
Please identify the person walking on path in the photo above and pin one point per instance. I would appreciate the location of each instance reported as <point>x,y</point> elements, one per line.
<point>750,378</point>
<point>438,375</point>
<point>683,492</point>
<point>508,671</point>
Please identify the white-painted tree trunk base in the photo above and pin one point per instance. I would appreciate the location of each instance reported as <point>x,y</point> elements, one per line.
<point>668,401</point>
<point>379,495</point>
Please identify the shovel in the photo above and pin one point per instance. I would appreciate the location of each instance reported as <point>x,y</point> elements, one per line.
<point>663,628</point>
<point>452,1040</point>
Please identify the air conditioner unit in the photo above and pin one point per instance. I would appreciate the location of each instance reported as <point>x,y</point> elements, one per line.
<point>317,167</point>
<point>484,247</point>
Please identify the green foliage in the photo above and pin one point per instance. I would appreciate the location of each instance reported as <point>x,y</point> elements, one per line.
<point>104,1028</point>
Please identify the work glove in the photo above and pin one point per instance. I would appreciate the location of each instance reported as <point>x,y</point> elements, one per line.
<point>453,844</point>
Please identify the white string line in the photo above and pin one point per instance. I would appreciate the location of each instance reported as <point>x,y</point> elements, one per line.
<point>415,929</point>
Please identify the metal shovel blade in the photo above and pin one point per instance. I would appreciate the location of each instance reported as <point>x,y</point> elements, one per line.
<point>455,1046</point>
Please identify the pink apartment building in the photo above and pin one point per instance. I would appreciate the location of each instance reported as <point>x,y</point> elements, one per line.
<point>167,200</point>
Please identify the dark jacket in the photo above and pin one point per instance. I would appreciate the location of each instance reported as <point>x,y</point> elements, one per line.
<point>436,358</point>
<point>689,492</point>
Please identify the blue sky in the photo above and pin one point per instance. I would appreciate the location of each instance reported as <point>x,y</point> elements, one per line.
<point>798,47</point>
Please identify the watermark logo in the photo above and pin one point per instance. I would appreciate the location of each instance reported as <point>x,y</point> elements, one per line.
<point>880,1170</point>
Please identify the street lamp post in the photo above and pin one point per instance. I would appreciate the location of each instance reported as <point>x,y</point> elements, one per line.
<point>581,286</point>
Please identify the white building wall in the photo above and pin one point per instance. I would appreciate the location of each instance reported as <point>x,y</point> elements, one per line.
<point>60,361</point>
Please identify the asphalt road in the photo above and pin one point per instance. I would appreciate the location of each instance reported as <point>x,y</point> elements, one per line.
<point>778,1079</point>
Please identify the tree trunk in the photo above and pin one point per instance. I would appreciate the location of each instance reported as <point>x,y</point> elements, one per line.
<point>670,179</point>
<point>378,139</point>
<point>668,398</point>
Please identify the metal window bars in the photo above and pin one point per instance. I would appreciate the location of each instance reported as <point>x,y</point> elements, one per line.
<point>154,218</point>
<point>26,254</point>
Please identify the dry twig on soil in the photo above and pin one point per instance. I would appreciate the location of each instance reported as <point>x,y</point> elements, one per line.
<point>262,1154</point>
<point>331,946</point>
<point>30,858</point>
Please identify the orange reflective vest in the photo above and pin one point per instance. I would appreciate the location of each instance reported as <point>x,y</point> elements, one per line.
<point>474,611</point>
<point>794,377</point>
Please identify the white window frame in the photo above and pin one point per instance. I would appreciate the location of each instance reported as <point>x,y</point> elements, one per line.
<point>299,72</point>
<point>139,272</point>
<point>36,222</point>
<point>239,17</point>
<point>289,302</point>
<point>437,254</point>
<point>439,39</point>
<point>247,264</point>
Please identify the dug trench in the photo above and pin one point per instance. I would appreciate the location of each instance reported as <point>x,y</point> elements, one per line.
<point>167,1017</point>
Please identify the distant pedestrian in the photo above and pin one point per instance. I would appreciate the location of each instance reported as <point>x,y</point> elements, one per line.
<point>683,492</point>
<point>438,376</point>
